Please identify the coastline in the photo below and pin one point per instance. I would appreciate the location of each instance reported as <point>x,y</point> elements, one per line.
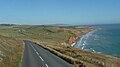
<point>78,56</point>
<point>80,36</point>
<point>75,44</point>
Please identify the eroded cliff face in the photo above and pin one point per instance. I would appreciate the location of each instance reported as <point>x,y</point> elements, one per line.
<point>72,39</point>
<point>62,35</point>
<point>76,34</point>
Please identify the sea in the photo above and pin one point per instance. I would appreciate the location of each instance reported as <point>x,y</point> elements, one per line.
<point>105,39</point>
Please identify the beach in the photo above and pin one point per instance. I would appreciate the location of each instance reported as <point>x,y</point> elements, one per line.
<point>104,40</point>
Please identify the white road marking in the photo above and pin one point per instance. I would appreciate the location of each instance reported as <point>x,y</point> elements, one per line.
<point>33,48</point>
<point>41,58</point>
<point>46,65</point>
<point>37,53</point>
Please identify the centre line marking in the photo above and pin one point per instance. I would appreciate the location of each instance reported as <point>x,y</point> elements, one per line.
<point>41,58</point>
<point>37,53</point>
<point>46,65</point>
<point>33,48</point>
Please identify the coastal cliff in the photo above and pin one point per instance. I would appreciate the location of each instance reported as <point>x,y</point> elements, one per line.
<point>58,40</point>
<point>76,34</point>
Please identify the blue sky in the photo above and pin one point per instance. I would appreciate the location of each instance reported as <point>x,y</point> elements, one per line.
<point>59,11</point>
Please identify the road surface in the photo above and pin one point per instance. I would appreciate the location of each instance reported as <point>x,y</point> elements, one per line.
<point>36,56</point>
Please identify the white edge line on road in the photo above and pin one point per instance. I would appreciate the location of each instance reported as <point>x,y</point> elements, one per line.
<point>46,65</point>
<point>41,58</point>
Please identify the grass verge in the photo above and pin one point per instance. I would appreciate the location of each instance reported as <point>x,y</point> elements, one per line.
<point>79,57</point>
<point>11,49</point>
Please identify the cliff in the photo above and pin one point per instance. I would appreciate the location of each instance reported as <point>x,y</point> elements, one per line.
<point>76,34</point>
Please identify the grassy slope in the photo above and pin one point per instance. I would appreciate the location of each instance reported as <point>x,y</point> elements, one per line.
<point>77,56</point>
<point>54,38</point>
<point>11,51</point>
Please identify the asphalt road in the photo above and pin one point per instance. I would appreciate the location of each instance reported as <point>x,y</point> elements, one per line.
<point>36,56</point>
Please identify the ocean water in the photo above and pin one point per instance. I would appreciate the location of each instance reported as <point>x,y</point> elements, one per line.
<point>105,40</point>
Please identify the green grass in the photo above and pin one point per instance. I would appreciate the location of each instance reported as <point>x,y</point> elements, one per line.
<point>78,57</point>
<point>58,40</point>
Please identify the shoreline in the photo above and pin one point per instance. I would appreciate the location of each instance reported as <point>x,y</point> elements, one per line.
<point>79,37</point>
<point>78,55</point>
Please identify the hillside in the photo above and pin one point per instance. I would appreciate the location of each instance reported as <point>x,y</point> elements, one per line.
<point>58,40</point>
<point>10,51</point>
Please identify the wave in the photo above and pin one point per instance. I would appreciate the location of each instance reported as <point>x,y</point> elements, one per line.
<point>82,43</point>
<point>92,49</point>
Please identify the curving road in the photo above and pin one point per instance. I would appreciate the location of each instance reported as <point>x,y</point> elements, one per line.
<point>36,56</point>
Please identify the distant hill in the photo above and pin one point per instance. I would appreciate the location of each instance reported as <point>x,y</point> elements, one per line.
<point>60,25</point>
<point>7,24</point>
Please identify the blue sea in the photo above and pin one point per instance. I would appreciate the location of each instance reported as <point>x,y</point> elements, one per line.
<point>105,40</point>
